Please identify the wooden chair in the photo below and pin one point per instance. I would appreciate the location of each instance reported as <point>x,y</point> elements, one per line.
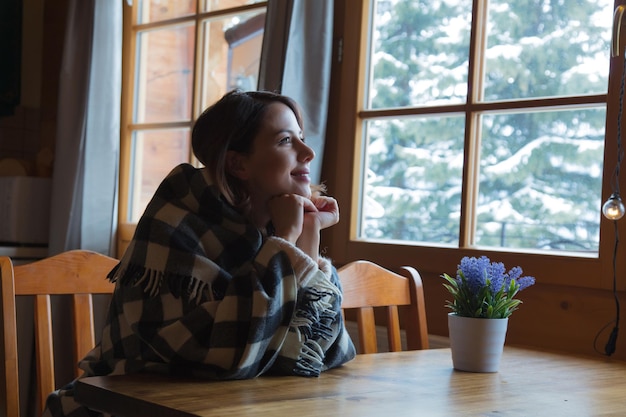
<point>367,285</point>
<point>78,273</point>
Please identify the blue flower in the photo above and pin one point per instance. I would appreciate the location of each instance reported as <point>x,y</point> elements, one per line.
<point>484,289</point>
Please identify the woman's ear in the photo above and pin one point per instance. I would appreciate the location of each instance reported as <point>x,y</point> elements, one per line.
<point>235,165</point>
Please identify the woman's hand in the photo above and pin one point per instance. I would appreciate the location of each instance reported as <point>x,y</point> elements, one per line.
<point>327,211</point>
<point>299,220</point>
<point>326,214</point>
<point>287,215</point>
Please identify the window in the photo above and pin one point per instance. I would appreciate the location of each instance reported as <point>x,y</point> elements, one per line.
<point>477,129</point>
<point>180,57</point>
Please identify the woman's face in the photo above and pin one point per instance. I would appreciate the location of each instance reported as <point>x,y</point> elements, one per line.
<point>279,160</point>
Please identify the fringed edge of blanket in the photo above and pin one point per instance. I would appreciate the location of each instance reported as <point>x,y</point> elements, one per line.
<point>151,281</point>
<point>314,321</point>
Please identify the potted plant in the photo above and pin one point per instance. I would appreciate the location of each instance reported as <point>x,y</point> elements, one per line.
<point>483,298</point>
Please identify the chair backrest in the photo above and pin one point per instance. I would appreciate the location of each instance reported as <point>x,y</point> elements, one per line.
<point>367,285</point>
<point>78,273</point>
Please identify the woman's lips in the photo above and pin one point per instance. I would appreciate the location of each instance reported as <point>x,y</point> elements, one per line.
<point>301,175</point>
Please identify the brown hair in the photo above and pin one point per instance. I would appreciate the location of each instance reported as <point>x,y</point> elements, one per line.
<point>231,124</point>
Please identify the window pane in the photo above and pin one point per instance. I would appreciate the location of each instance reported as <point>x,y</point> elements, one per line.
<point>540,180</point>
<point>419,53</point>
<point>164,75</point>
<point>538,48</point>
<point>211,5</point>
<point>232,51</point>
<point>412,190</point>
<point>154,154</point>
<point>157,10</point>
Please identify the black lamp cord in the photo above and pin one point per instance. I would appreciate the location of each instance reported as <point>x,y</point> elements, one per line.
<point>609,348</point>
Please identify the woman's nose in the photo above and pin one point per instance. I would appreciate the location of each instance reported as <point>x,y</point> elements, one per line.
<point>306,153</point>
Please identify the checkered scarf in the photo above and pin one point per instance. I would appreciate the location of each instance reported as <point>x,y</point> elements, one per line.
<point>201,291</point>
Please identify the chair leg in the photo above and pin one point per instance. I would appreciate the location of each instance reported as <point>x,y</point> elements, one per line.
<point>417,337</point>
<point>393,329</point>
<point>43,340</point>
<point>367,330</point>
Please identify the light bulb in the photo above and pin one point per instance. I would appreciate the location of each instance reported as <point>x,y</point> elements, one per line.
<point>613,208</point>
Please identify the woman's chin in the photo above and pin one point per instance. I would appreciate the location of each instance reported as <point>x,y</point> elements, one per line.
<point>303,190</point>
<point>305,194</point>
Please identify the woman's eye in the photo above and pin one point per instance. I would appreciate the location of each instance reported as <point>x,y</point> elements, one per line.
<point>286,139</point>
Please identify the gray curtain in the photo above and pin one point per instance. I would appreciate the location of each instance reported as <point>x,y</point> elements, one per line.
<point>85,177</point>
<point>296,61</point>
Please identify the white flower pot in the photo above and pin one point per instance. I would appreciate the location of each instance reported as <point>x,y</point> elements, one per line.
<point>476,343</point>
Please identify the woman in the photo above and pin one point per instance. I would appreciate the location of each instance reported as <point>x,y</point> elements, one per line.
<point>223,278</point>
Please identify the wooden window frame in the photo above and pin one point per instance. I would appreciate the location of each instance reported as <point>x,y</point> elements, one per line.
<point>128,127</point>
<point>341,171</point>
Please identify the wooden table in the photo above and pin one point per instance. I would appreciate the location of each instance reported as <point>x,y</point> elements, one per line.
<point>529,383</point>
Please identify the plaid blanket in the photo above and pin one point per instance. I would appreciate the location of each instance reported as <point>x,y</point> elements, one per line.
<point>201,292</point>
